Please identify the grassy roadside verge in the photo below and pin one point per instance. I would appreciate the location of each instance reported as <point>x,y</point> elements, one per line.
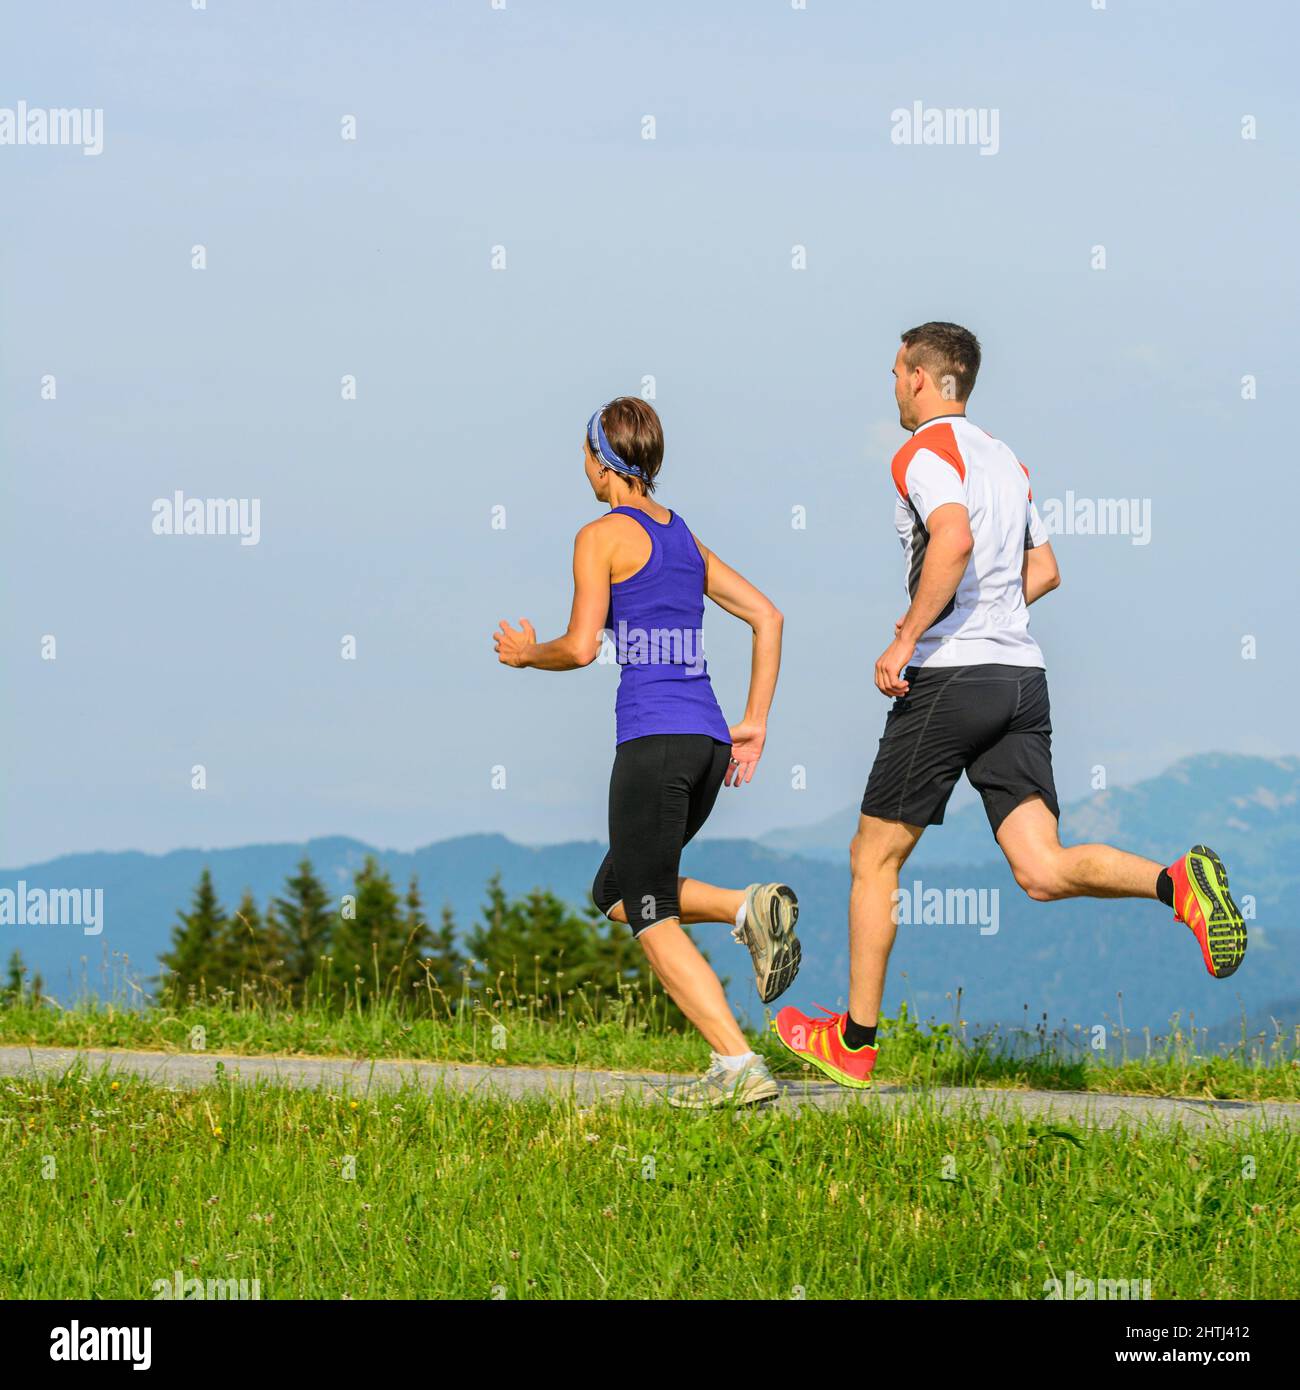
<point>319,1194</point>
<point>910,1054</point>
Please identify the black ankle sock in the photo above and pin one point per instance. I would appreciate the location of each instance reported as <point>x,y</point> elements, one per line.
<point>1165,888</point>
<point>858,1035</point>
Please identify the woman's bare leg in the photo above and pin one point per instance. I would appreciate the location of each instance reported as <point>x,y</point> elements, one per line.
<point>692,986</point>
<point>687,976</point>
<point>699,902</point>
<point>703,902</point>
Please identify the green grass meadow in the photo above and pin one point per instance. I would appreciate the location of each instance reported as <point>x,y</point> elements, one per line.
<point>113,1186</point>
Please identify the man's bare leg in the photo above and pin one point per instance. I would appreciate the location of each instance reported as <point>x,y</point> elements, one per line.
<point>879,851</point>
<point>1048,870</point>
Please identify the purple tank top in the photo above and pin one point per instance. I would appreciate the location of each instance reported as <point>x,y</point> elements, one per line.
<point>657,620</point>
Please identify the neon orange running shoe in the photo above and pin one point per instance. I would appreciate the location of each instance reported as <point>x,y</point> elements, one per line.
<point>821,1042</point>
<point>1202,902</point>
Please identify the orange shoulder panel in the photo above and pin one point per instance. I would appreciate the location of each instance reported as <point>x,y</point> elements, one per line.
<point>938,439</point>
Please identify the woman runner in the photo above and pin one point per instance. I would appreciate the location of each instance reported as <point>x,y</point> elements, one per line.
<point>640,573</point>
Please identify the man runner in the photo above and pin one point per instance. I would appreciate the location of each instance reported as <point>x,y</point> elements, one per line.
<point>970,695</point>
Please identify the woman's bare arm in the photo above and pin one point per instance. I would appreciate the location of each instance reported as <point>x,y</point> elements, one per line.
<point>734,593</point>
<point>580,643</point>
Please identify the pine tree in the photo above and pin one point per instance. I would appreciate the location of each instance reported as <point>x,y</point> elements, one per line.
<point>446,964</point>
<point>377,950</point>
<point>193,956</point>
<point>435,963</point>
<point>306,917</point>
<point>275,947</point>
<point>12,994</point>
<point>534,948</point>
<point>414,917</point>
<point>240,950</point>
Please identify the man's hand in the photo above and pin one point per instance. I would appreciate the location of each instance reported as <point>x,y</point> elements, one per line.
<point>747,741</point>
<point>890,666</point>
<point>512,647</point>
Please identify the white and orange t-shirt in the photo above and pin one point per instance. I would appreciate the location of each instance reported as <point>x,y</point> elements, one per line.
<point>951,460</point>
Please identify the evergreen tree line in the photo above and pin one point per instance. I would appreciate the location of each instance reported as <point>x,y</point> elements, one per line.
<point>375,941</point>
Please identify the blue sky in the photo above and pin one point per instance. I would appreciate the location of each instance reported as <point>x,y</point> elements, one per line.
<point>625,258</point>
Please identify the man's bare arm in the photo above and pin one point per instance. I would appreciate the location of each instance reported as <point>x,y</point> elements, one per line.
<point>947,554</point>
<point>1040,573</point>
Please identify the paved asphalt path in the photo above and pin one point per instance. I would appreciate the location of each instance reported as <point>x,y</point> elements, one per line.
<point>589,1087</point>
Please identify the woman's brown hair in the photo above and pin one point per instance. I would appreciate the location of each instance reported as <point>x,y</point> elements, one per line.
<point>636,436</point>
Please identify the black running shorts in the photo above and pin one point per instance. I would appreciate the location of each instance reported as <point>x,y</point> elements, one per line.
<point>991,722</point>
<point>661,791</point>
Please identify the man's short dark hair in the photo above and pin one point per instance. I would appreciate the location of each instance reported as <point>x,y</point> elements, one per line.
<point>636,436</point>
<point>949,352</point>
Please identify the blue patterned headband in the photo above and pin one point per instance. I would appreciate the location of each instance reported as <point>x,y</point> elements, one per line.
<point>603,450</point>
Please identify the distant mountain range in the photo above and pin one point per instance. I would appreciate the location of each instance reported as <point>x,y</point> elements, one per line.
<point>1071,961</point>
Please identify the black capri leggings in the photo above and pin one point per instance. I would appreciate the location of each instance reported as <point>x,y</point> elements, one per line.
<point>661,791</point>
